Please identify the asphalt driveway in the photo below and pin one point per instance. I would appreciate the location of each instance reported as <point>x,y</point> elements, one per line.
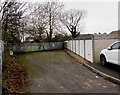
<point>57,72</point>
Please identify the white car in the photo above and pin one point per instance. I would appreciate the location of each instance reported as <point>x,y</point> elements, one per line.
<point>111,54</point>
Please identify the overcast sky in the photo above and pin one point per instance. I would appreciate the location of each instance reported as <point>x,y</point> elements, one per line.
<point>102,15</point>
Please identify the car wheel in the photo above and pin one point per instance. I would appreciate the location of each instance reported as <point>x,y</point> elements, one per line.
<point>103,61</point>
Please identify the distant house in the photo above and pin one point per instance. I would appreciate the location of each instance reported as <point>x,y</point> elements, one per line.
<point>115,32</point>
<point>29,39</point>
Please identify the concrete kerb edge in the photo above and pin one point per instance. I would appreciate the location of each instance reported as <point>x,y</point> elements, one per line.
<point>105,76</point>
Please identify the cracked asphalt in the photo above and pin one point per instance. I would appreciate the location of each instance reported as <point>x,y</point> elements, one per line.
<point>57,72</point>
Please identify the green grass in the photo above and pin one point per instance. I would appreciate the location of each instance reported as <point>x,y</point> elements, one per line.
<point>27,61</point>
<point>22,59</point>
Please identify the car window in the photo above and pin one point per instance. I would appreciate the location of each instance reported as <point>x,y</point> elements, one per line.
<point>116,45</point>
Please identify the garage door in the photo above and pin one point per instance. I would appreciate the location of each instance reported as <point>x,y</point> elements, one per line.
<point>88,50</point>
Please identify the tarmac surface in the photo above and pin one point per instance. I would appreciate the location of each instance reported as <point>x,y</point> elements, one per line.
<point>110,69</point>
<point>57,72</point>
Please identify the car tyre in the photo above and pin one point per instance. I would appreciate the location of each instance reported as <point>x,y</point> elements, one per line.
<point>103,61</point>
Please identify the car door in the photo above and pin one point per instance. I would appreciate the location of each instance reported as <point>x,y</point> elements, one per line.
<point>112,54</point>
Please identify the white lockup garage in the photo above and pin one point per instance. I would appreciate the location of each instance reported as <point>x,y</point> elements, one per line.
<point>81,47</point>
<point>89,46</point>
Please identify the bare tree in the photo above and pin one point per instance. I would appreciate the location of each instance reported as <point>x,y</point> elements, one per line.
<point>53,10</point>
<point>72,20</point>
<point>44,18</point>
<point>37,20</point>
<point>12,13</point>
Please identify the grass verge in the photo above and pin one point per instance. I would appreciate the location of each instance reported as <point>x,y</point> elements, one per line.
<point>14,75</point>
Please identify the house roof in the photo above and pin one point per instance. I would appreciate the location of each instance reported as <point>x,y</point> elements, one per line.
<point>115,32</point>
<point>96,37</point>
<point>84,37</point>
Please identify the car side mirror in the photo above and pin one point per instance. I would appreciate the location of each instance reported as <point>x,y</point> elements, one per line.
<point>109,48</point>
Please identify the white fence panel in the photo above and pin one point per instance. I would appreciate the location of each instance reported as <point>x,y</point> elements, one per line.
<point>88,50</point>
<point>82,48</point>
<point>77,47</point>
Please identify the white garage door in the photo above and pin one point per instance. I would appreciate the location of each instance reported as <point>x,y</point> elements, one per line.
<point>88,50</point>
<point>77,47</point>
<point>73,45</point>
<point>81,48</point>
